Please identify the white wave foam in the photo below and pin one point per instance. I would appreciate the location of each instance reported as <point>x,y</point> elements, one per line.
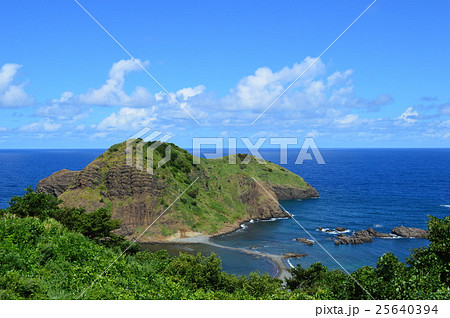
<point>377,226</point>
<point>252,221</point>
<point>271,220</point>
<point>445,205</point>
<point>334,232</point>
<point>338,232</point>
<point>289,262</point>
<point>393,236</point>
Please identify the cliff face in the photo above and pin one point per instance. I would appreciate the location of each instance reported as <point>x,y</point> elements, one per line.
<point>223,196</point>
<point>57,183</point>
<point>291,193</point>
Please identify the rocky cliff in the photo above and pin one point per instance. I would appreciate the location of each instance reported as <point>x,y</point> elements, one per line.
<point>224,195</point>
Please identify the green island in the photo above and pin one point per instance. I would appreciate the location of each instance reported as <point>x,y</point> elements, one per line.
<point>57,241</point>
<point>222,197</point>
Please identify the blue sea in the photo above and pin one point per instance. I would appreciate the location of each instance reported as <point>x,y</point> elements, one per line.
<point>359,188</point>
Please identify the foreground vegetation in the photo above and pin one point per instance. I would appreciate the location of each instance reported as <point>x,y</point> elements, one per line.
<point>49,252</point>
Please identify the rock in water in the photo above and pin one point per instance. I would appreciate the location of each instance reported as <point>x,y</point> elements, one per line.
<point>377,234</point>
<point>364,236</point>
<point>358,237</point>
<point>409,232</point>
<point>304,240</point>
<point>293,255</point>
<point>340,229</point>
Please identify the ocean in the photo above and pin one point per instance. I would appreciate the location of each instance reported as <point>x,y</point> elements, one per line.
<point>359,188</point>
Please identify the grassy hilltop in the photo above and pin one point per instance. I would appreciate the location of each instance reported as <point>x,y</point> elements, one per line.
<point>224,195</point>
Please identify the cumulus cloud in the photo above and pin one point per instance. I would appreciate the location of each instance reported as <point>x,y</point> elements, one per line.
<point>409,116</point>
<point>188,92</point>
<point>41,126</point>
<point>12,95</point>
<point>338,77</point>
<point>127,119</point>
<point>112,93</point>
<point>319,100</point>
<point>257,91</point>
<point>316,97</point>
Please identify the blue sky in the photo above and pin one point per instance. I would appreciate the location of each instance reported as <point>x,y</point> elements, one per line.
<point>64,83</point>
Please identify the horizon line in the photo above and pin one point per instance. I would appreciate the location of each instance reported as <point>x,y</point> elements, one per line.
<point>244,148</point>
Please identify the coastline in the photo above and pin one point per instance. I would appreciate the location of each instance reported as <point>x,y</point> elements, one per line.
<point>276,260</point>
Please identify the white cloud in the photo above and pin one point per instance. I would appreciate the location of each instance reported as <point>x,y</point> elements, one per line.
<point>12,95</point>
<point>188,92</point>
<point>100,135</point>
<point>257,91</point>
<point>317,101</point>
<point>338,77</point>
<point>127,119</point>
<point>112,93</point>
<point>41,126</point>
<point>346,120</point>
<point>409,116</point>
<point>65,97</point>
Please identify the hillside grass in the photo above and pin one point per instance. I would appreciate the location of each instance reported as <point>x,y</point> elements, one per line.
<point>213,202</point>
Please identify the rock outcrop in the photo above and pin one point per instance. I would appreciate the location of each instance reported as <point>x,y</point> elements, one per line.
<point>375,233</point>
<point>291,193</point>
<point>358,237</point>
<point>365,236</point>
<point>293,255</point>
<point>409,232</point>
<point>304,240</point>
<point>57,183</point>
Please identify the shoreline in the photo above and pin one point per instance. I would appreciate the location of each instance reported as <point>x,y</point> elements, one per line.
<point>276,260</point>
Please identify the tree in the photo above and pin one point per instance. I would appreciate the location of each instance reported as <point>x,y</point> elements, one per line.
<point>96,225</point>
<point>34,204</point>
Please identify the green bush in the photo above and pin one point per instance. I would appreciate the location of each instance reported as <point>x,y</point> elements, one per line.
<point>49,252</point>
<point>96,225</point>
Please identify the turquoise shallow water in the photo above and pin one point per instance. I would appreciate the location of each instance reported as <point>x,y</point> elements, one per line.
<point>359,188</point>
